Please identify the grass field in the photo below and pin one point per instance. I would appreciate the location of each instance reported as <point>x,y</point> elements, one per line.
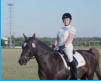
<point>11,70</point>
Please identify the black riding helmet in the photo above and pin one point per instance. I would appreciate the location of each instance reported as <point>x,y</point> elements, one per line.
<point>67,15</point>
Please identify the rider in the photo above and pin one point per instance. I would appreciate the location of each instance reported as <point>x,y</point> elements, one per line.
<point>64,39</point>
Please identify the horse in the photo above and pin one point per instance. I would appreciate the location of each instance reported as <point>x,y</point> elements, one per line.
<point>50,63</point>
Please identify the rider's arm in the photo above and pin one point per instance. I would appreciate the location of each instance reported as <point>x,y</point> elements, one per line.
<point>56,41</point>
<point>70,38</point>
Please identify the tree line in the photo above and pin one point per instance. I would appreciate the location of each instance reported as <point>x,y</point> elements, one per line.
<point>79,41</point>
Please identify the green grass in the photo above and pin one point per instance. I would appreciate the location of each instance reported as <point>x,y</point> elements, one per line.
<point>11,70</point>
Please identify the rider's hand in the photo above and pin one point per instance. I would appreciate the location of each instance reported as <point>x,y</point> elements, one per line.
<point>61,47</point>
<point>53,46</point>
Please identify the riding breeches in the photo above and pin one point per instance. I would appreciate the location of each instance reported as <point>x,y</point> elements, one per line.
<point>69,52</point>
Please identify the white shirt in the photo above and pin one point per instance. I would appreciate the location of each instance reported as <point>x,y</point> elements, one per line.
<point>63,34</point>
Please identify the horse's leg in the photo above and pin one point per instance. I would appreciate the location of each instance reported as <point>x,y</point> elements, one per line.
<point>90,74</point>
<point>84,77</point>
<point>42,75</point>
<point>90,77</point>
<point>98,72</point>
<point>42,78</point>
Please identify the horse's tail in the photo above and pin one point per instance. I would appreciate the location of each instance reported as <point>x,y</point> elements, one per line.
<point>95,52</point>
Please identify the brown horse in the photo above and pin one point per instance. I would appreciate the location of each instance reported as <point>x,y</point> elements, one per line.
<point>50,63</point>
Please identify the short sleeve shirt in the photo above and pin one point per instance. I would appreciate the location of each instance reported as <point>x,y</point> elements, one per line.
<point>64,32</point>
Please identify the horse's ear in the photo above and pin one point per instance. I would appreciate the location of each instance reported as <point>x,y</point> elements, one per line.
<point>34,37</point>
<point>25,36</point>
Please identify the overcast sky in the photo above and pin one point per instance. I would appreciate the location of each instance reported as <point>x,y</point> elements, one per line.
<point>43,17</point>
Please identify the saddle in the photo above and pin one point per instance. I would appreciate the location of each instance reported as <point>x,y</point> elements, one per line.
<point>77,58</point>
<point>66,58</point>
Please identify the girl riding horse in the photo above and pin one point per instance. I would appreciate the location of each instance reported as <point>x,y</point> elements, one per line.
<point>64,39</point>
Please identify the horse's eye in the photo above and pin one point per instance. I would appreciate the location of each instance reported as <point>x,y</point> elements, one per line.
<point>33,45</point>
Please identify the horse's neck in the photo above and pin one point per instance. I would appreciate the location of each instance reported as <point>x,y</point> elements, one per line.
<point>42,48</point>
<point>42,55</point>
<point>47,60</point>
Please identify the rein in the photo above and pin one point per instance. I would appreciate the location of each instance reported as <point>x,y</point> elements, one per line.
<point>38,56</point>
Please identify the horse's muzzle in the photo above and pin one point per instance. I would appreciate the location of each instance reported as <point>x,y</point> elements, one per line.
<point>23,60</point>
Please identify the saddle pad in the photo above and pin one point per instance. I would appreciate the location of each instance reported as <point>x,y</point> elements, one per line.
<point>78,57</point>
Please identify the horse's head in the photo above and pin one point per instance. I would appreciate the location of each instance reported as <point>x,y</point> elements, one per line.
<point>29,49</point>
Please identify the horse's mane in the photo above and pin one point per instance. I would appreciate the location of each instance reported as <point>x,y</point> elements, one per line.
<point>41,43</point>
<point>50,51</point>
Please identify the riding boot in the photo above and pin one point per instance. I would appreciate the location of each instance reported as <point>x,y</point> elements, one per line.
<point>73,70</point>
<point>67,62</point>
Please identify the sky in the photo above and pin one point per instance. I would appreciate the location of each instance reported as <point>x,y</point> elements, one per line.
<point>43,17</point>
